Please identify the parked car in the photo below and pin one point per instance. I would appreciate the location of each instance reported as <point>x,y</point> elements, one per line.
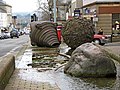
<point>21,32</point>
<point>14,33</point>
<point>2,35</point>
<point>27,32</point>
<point>6,35</point>
<point>100,39</point>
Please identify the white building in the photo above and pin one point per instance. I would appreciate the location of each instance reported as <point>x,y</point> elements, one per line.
<point>5,14</point>
<point>3,19</point>
<point>75,4</point>
<point>61,8</point>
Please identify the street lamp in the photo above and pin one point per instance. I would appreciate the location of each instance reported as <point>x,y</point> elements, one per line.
<point>50,11</point>
<point>95,19</point>
<point>54,1</point>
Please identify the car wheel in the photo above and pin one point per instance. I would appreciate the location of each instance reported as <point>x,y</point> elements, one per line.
<point>102,44</point>
<point>97,41</point>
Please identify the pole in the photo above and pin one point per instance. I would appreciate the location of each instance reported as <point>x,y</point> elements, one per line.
<point>54,11</point>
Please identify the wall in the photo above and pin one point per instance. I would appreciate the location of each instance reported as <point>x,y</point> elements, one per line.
<point>105,22</point>
<point>75,4</point>
<point>105,16</point>
<point>5,15</point>
<point>7,67</point>
<point>3,19</point>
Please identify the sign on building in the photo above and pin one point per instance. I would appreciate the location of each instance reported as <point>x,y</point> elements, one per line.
<point>77,13</point>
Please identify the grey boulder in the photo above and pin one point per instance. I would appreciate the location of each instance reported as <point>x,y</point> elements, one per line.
<point>90,60</point>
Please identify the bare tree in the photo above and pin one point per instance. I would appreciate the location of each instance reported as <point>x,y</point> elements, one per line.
<point>43,10</point>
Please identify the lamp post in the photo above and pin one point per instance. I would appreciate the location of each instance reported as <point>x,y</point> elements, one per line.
<point>54,1</point>
<point>50,11</point>
<point>95,20</point>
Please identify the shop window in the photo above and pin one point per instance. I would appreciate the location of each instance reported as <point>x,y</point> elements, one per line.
<point>116,24</point>
<point>115,17</point>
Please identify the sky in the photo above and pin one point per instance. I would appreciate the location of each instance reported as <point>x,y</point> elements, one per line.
<point>22,5</point>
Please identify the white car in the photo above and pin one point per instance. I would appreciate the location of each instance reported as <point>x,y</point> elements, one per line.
<point>1,35</point>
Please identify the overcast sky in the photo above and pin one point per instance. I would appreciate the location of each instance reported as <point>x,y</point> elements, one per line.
<point>22,5</point>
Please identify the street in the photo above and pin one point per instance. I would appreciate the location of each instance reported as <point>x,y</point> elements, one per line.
<point>14,44</point>
<point>114,47</point>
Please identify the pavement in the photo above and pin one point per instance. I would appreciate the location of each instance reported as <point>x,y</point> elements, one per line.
<point>27,78</point>
<point>114,47</point>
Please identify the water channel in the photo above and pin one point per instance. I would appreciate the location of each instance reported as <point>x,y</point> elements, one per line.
<point>44,61</point>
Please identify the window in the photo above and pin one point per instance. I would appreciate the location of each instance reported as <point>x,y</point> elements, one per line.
<point>115,17</point>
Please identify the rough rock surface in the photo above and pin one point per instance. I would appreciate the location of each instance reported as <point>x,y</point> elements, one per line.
<point>78,31</point>
<point>90,60</point>
<point>44,34</point>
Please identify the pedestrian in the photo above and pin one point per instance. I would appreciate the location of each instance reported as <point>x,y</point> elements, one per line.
<point>117,25</point>
<point>100,32</point>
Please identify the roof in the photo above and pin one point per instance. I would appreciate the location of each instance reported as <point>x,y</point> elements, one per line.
<point>2,3</point>
<point>2,10</point>
<point>3,6</point>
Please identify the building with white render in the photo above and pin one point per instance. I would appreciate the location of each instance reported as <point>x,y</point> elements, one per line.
<point>5,14</point>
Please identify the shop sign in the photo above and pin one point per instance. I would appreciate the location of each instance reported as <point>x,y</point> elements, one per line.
<point>77,13</point>
<point>95,19</point>
<point>87,10</point>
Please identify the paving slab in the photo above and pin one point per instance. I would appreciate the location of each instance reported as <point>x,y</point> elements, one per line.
<point>27,78</point>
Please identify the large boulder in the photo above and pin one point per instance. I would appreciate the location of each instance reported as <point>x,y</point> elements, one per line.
<point>90,60</point>
<point>78,31</point>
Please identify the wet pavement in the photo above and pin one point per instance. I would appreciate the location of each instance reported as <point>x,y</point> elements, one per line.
<point>29,77</point>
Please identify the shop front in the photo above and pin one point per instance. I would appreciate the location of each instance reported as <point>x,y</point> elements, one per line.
<point>105,15</point>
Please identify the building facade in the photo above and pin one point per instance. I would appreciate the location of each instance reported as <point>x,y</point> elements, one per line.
<point>75,5</point>
<point>61,9</point>
<point>5,14</point>
<point>104,13</point>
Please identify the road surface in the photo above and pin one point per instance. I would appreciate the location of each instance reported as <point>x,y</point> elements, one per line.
<point>7,45</point>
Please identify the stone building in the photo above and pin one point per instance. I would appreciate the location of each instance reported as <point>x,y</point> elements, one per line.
<point>5,14</point>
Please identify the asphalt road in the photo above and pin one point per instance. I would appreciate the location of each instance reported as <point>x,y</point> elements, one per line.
<point>7,45</point>
<point>114,47</point>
